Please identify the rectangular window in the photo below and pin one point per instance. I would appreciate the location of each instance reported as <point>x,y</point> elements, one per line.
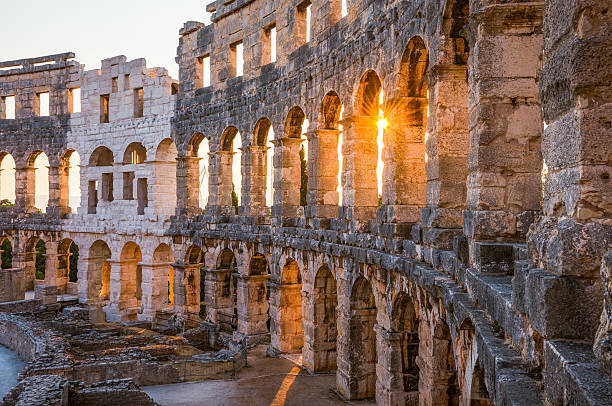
<point>128,186</point>
<point>92,197</point>
<point>206,71</point>
<point>8,107</point>
<point>115,85</point>
<point>138,102</point>
<point>303,17</point>
<point>344,8</point>
<point>107,187</point>
<point>43,104</point>
<point>74,100</point>
<point>237,59</point>
<point>126,82</point>
<point>269,45</point>
<point>104,108</point>
<point>143,195</point>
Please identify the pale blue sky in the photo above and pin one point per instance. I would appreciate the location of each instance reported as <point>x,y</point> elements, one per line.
<point>95,30</point>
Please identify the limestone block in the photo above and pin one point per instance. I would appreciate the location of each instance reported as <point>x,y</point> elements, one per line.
<point>603,338</point>
<point>563,307</point>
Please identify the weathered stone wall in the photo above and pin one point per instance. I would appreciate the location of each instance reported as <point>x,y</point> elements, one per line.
<point>478,277</point>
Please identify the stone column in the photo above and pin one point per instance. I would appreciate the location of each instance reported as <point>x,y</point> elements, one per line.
<point>56,268</point>
<point>323,170</point>
<point>253,307</point>
<point>287,178</point>
<point>25,183</point>
<point>187,288</point>
<point>391,380</point>
<point>154,289</point>
<point>319,352</point>
<point>286,329</point>
<point>254,180</point>
<point>219,306</point>
<point>568,243</point>
<point>360,156</point>
<point>220,183</point>
<point>123,302</point>
<point>20,261</point>
<point>188,186</point>
<point>505,122</point>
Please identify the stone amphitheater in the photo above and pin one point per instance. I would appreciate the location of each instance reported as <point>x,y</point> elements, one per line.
<point>477,270</point>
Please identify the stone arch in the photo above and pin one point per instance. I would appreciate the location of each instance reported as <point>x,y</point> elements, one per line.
<point>158,281</point>
<point>320,349</point>
<point>164,181</point>
<point>404,139</point>
<point>98,272</point>
<point>253,299</point>
<point>197,169</point>
<point>331,107</point>
<point>102,156</point>
<point>293,123</point>
<point>224,290</point>
<point>135,154</point>
<point>7,179</point>
<point>69,181</point>
<point>130,293</point>
<point>261,132</point>
<point>479,395</point>
<point>287,332</point>
<point>360,382</point>
<point>37,182</point>
<point>6,253</point>
<point>35,261</point>
<point>66,267</point>
<point>362,138</point>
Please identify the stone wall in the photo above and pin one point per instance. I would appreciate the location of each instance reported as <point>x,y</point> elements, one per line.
<point>476,278</point>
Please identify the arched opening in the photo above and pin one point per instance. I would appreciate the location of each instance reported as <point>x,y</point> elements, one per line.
<point>227,272</point>
<point>261,164</point>
<point>7,180</point>
<point>446,379</point>
<point>405,136</point>
<point>100,182</point>
<point>164,188</point>
<point>363,357</point>
<point>230,169</point>
<point>101,156</point>
<point>290,169</point>
<point>67,267</point>
<point>326,174</point>
<point>190,283</point>
<point>70,180</point>
<point>479,396</point>
<point>325,330</point>
<point>159,282</point>
<point>291,330</point>
<point>6,257</point>
<point>35,265</point>
<point>367,144</point>
<point>37,189</point>
<point>98,272</point>
<point>405,325</point>
<point>135,154</point>
<point>131,281</point>
<point>257,293</point>
<point>199,148</point>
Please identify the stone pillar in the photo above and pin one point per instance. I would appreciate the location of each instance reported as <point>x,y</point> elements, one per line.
<point>25,183</point>
<point>287,178</point>
<point>568,242</point>
<point>59,204</point>
<point>187,288</point>
<point>322,196</point>
<point>20,261</point>
<point>163,188</point>
<point>320,330</point>
<point>220,183</point>
<point>360,156</point>
<point>404,180</point>
<point>12,285</point>
<point>392,383</point>
<point>154,289</point>
<point>505,121</point>
<point>286,329</point>
<point>254,180</point>
<point>253,307</point>
<point>123,303</point>
<point>219,306</point>
<point>56,268</point>
<point>188,186</point>
<point>447,145</point>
